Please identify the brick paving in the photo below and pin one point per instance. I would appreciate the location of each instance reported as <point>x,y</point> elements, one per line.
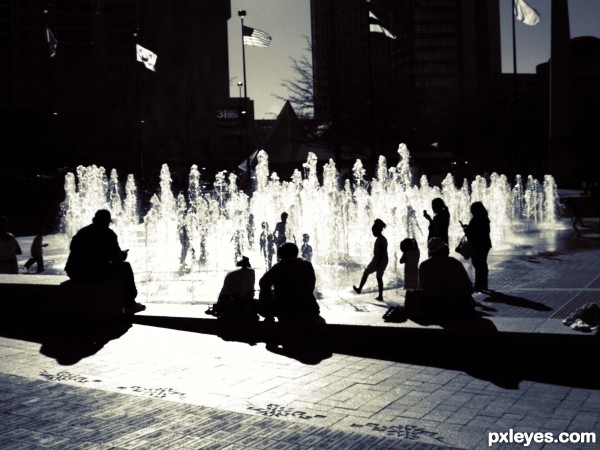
<point>148,387</point>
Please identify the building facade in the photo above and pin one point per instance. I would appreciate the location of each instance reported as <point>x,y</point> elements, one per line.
<point>428,85</point>
<point>92,102</point>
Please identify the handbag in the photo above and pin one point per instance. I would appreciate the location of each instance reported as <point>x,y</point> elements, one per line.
<point>465,248</point>
<point>395,314</point>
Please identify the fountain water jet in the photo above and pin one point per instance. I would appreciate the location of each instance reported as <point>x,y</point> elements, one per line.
<point>188,238</point>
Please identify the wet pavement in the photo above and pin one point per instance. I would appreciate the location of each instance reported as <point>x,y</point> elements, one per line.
<point>173,379</point>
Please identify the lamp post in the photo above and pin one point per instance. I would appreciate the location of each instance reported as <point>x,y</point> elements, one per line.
<point>240,84</point>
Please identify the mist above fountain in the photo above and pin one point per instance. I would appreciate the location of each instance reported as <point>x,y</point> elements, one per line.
<point>337,214</point>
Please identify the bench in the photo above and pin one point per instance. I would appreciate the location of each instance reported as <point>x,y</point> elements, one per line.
<point>58,299</point>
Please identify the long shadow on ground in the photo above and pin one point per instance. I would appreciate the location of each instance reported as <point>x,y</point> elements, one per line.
<point>68,342</point>
<point>512,300</point>
<point>477,348</point>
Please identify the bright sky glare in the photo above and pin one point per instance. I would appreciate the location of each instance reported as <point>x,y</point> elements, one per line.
<point>288,22</point>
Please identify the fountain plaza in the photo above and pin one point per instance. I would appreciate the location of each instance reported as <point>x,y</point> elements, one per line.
<point>182,246</point>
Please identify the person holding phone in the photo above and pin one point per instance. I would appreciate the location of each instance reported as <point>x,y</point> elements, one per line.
<point>95,255</point>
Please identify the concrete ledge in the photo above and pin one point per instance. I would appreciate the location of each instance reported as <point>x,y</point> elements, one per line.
<point>488,329</point>
<point>481,349</point>
<point>56,298</point>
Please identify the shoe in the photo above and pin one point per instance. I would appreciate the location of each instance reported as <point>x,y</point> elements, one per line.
<point>357,290</point>
<point>379,298</point>
<point>132,309</point>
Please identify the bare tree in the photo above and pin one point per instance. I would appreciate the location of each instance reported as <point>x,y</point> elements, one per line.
<point>300,90</point>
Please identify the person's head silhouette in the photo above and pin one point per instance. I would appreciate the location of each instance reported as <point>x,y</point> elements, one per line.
<point>287,250</point>
<point>378,227</point>
<point>102,218</point>
<point>437,204</point>
<point>244,262</point>
<point>437,247</point>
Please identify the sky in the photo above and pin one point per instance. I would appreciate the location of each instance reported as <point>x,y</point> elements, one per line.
<point>288,22</point>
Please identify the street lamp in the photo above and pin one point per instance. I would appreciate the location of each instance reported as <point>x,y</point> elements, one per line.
<point>240,84</point>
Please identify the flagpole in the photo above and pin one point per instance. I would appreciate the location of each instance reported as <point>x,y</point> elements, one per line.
<point>245,113</point>
<point>371,118</point>
<point>242,14</point>
<point>514,47</point>
<point>138,119</point>
<point>49,81</point>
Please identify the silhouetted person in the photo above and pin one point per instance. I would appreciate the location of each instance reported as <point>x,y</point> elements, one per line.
<point>410,258</point>
<point>37,252</point>
<point>184,240</point>
<point>287,289</point>
<point>236,298</point>
<point>9,249</point>
<point>267,245</point>
<point>307,251</point>
<point>412,224</point>
<point>250,227</point>
<point>380,259</point>
<point>575,214</point>
<point>280,232</point>
<point>478,234</point>
<point>95,255</point>
<point>237,239</point>
<point>446,289</point>
<point>438,225</point>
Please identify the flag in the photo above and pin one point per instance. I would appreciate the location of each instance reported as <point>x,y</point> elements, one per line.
<point>52,42</point>
<point>146,56</point>
<point>255,38</point>
<point>375,26</point>
<point>525,13</point>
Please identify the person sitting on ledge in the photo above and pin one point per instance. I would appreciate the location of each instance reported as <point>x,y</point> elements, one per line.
<point>95,255</point>
<point>9,249</point>
<point>287,289</point>
<point>446,290</point>
<point>236,299</point>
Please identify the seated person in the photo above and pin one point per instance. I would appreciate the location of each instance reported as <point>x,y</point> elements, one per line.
<point>236,299</point>
<point>446,289</point>
<point>95,255</point>
<point>286,290</point>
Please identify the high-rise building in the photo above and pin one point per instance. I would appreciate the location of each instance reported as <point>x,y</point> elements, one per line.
<point>431,83</point>
<point>92,102</point>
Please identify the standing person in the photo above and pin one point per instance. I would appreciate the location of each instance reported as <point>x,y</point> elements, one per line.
<point>380,259</point>
<point>95,255</point>
<point>37,252</point>
<point>438,225</point>
<point>478,234</point>
<point>412,224</point>
<point>307,251</point>
<point>184,240</point>
<point>9,249</point>
<point>280,232</point>
<point>267,245</point>
<point>410,258</point>
<point>287,289</point>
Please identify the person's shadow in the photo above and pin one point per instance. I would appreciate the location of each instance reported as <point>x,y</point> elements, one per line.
<point>68,342</point>
<point>292,338</point>
<point>71,346</point>
<point>499,297</point>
